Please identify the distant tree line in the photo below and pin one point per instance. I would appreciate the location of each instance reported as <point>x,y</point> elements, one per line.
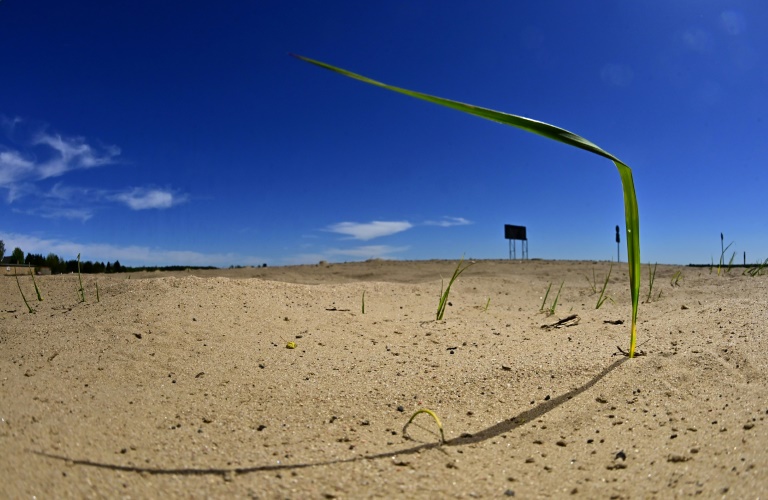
<point>58,265</point>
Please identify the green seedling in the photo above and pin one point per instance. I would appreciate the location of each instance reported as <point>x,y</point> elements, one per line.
<point>557,134</point>
<point>757,270</point>
<point>593,283</point>
<point>651,277</point>
<point>37,290</point>
<point>488,302</point>
<point>444,292</point>
<point>546,294</point>
<point>722,254</point>
<point>431,414</point>
<point>730,262</point>
<point>97,292</point>
<point>29,308</point>
<point>602,298</point>
<point>551,310</point>
<point>81,291</point>
<point>554,304</point>
<point>363,305</point>
<point>675,281</point>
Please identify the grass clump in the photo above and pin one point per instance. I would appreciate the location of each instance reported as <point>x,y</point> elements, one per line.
<point>631,214</point>
<point>445,291</point>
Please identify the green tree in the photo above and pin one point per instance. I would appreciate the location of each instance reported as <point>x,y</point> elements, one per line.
<point>17,257</point>
<point>2,249</point>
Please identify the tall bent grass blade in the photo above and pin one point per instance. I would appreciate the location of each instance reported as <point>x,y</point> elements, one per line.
<point>434,417</point>
<point>556,134</point>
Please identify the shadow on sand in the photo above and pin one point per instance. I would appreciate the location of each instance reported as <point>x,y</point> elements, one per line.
<point>483,435</point>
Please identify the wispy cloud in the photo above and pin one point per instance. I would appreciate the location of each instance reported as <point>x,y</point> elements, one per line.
<point>40,156</point>
<point>143,198</point>
<point>369,230</point>
<point>133,255</point>
<point>449,222</point>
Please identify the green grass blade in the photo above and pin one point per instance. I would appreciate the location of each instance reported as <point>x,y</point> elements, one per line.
<point>445,292</point>
<point>557,134</point>
<point>541,309</point>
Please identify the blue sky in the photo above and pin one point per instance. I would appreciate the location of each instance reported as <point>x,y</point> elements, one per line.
<point>160,133</point>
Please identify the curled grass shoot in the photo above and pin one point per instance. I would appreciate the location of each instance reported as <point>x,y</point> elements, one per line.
<point>431,414</point>
<point>37,290</point>
<point>444,292</point>
<point>651,278</point>
<point>81,291</point>
<point>554,133</point>
<point>29,308</point>
<point>603,297</point>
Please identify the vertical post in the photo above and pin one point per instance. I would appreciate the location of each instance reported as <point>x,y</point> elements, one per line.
<point>618,246</point>
<point>510,249</point>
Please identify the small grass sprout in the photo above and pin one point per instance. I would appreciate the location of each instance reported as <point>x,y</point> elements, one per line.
<point>603,297</point>
<point>757,270</point>
<point>37,290</point>
<point>487,303</point>
<point>97,292</point>
<point>81,291</point>
<point>721,263</point>
<point>675,281</point>
<point>546,294</point>
<point>631,214</point>
<point>593,283</point>
<point>431,414</point>
<point>29,308</point>
<point>651,278</point>
<point>551,310</point>
<point>730,263</point>
<point>363,304</point>
<point>445,291</point>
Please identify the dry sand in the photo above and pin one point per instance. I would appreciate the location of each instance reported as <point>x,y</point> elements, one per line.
<point>181,385</point>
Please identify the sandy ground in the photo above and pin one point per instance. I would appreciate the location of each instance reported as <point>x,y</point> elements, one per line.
<point>181,385</point>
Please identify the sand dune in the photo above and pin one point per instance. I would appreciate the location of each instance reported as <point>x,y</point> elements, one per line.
<point>181,385</point>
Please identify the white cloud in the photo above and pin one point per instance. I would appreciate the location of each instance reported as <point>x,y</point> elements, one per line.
<point>23,173</point>
<point>370,230</point>
<point>143,198</point>
<point>449,222</point>
<point>71,154</point>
